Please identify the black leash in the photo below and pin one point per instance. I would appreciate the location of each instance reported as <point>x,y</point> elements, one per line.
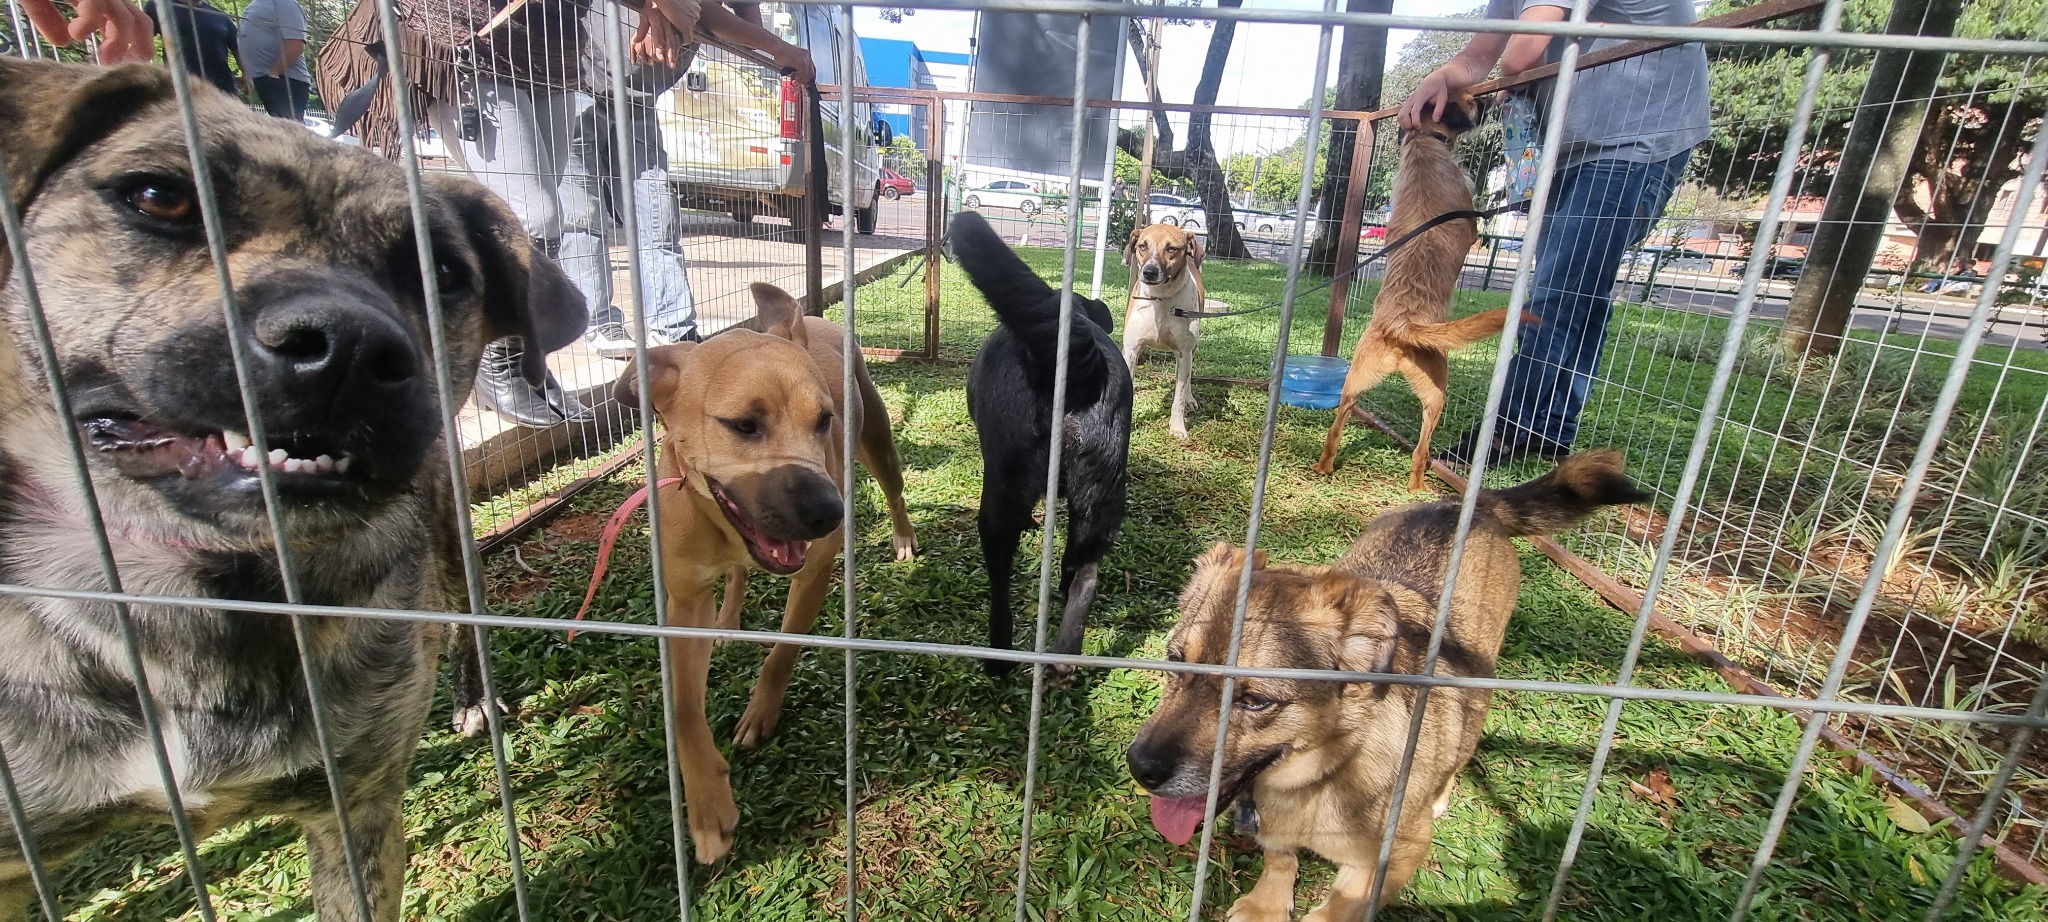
<point>1383,253</point>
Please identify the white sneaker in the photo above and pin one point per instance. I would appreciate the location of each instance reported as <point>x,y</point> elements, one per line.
<point>611,340</point>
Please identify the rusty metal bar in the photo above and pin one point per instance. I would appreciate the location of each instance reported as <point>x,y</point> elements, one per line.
<point>1347,235</point>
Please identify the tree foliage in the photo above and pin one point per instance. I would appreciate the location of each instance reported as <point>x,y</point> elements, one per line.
<point>1984,113</point>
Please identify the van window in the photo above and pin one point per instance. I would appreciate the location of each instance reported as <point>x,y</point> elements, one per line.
<point>781,20</point>
<point>823,42</point>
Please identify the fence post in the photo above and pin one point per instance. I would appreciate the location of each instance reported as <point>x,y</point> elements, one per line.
<point>1347,235</point>
<point>934,219</point>
<point>811,214</point>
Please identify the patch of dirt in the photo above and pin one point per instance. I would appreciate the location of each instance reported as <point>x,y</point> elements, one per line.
<point>1904,655</point>
<point>575,526</point>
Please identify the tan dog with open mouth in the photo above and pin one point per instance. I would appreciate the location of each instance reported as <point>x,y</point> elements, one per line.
<point>751,425</point>
<point>1319,758</point>
<point>1407,332</point>
<point>1167,275</point>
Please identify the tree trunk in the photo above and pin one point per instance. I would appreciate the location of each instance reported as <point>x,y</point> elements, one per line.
<point>1875,159</point>
<point>1137,37</point>
<point>1197,161</point>
<point>1361,63</point>
<point>1967,154</point>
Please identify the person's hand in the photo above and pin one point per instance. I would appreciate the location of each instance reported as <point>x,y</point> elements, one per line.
<point>795,63</point>
<point>1428,100</point>
<point>123,30</point>
<point>657,42</point>
<point>681,14</point>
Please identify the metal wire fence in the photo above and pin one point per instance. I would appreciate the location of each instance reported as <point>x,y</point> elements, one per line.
<point>1859,530</point>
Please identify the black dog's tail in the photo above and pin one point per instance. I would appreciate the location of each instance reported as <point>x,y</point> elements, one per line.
<point>1030,308</point>
<point>1575,489</point>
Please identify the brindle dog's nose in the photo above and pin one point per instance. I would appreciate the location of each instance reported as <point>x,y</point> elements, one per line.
<point>1151,765</point>
<point>326,354</point>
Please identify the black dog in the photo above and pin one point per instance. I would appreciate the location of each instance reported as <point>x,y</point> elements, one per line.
<point>1009,395</point>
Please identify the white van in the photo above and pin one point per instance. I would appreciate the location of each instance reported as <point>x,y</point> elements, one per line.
<point>733,129</point>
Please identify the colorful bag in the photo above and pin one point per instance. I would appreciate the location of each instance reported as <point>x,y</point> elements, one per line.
<point>1521,144</point>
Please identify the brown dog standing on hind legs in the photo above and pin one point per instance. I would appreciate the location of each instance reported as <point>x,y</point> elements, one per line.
<point>1167,275</point>
<point>1407,333</point>
<point>1318,759</point>
<point>751,425</point>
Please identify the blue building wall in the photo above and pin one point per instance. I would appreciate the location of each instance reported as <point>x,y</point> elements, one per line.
<point>893,62</point>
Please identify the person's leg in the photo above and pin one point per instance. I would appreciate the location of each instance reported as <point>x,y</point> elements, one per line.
<point>665,283</point>
<point>274,95</point>
<point>301,96</point>
<point>585,222</point>
<point>1600,209</point>
<point>518,154</point>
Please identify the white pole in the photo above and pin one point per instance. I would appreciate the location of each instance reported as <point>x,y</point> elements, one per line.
<point>1116,88</point>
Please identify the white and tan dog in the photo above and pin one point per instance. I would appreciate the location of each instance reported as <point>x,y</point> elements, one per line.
<point>1166,263</point>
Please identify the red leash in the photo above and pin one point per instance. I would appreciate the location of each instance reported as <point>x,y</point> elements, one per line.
<point>611,539</point>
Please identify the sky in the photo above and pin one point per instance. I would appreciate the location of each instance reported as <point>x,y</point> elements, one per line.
<point>1270,65</point>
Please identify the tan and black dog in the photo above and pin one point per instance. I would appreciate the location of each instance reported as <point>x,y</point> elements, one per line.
<point>1319,758</point>
<point>321,251</point>
<point>1407,333</point>
<point>1166,264</point>
<point>752,428</point>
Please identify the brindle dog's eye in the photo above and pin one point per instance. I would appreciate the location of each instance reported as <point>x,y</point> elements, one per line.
<point>746,427</point>
<point>450,277</point>
<point>1255,703</point>
<point>163,198</point>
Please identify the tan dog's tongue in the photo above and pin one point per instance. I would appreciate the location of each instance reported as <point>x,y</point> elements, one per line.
<point>1177,817</point>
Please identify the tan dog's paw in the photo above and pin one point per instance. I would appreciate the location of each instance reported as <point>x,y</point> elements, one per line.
<point>906,547</point>
<point>1324,467</point>
<point>471,721</point>
<point>1252,908</point>
<point>760,720</point>
<point>713,817</point>
<point>1179,430</point>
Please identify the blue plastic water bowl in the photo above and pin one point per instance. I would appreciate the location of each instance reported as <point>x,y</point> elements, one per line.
<point>1315,382</point>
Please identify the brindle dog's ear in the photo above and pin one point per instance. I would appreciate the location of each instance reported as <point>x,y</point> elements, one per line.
<point>780,314</point>
<point>53,111</point>
<point>524,293</point>
<point>1365,614</point>
<point>664,369</point>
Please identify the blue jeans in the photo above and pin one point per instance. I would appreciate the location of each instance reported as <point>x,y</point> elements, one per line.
<point>591,196</point>
<point>1598,211</point>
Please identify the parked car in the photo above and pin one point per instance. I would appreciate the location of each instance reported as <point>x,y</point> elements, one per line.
<point>734,128</point>
<point>1785,267</point>
<point>1005,193</point>
<point>1675,258</point>
<point>1375,232</point>
<point>896,185</point>
<point>1267,222</point>
<point>1174,211</point>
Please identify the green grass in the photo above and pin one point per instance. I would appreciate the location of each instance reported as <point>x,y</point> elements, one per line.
<point>941,751</point>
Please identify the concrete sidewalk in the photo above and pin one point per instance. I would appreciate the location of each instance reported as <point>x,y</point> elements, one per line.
<point>723,258</point>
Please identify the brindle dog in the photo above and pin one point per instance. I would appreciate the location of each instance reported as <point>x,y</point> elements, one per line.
<point>321,251</point>
<point>1319,758</point>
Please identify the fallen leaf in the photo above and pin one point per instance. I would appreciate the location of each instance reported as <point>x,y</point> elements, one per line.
<point>1661,791</point>
<point>1903,814</point>
<point>1913,867</point>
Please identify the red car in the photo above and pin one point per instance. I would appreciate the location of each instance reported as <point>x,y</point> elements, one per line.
<point>895,185</point>
<point>1373,233</point>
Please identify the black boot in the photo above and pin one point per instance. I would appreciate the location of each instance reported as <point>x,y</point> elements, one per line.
<point>501,389</point>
